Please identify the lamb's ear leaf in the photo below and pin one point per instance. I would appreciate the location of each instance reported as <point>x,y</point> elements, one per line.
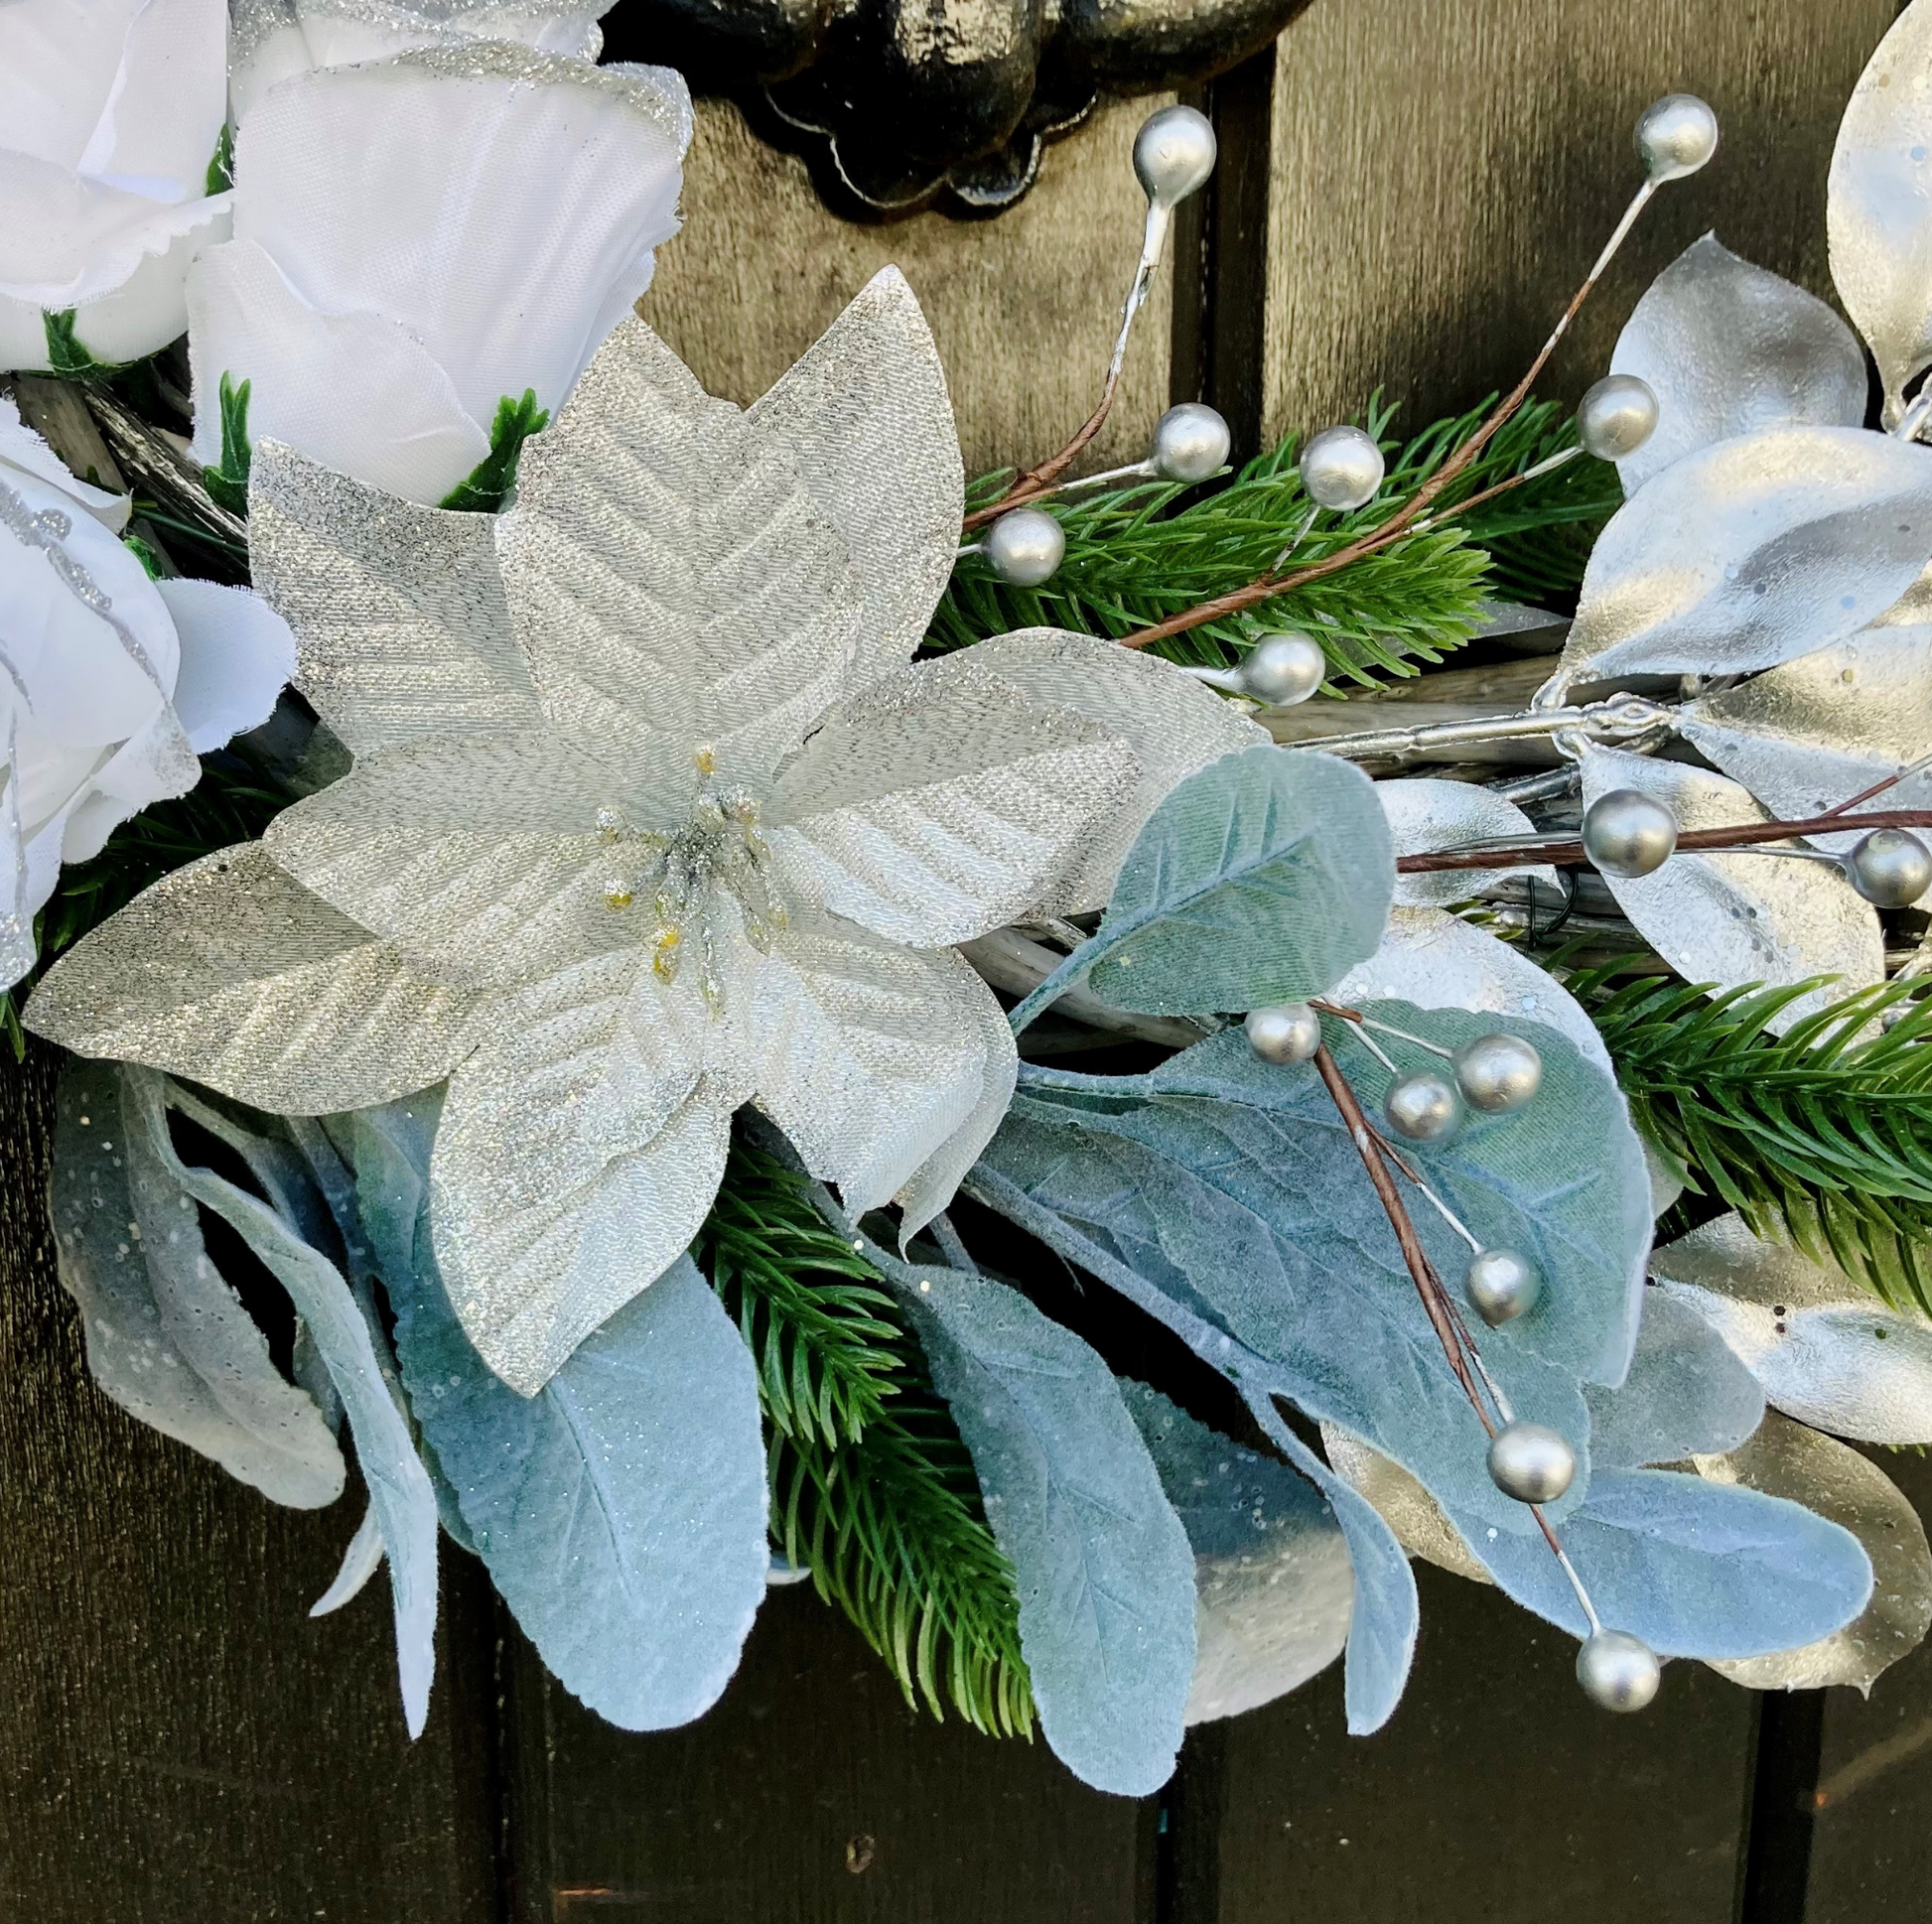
<point>1264,877</point>
<point>621,1510</point>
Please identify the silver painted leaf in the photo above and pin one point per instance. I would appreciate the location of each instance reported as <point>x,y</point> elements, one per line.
<point>231,973</point>
<point>398,1485</point>
<point>1823,1349</point>
<point>1834,1481</point>
<point>1174,724</point>
<point>400,624</point>
<point>1685,1394</point>
<point>1262,878</point>
<point>1750,552</point>
<point>1431,958</point>
<point>1729,348</point>
<point>1404,1506</point>
<point>1738,918</point>
<point>167,1337</point>
<point>1879,187</point>
<point>1426,813</point>
<point>1102,1564</point>
<point>1272,1594</point>
<point>1811,734</point>
<point>870,424</point>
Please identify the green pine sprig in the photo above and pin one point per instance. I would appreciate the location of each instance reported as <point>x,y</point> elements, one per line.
<point>1134,557</point>
<point>1822,1134</point>
<point>871,1488</point>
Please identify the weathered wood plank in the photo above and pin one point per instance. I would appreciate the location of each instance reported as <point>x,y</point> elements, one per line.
<point>1496,1795</point>
<point>1446,171</point>
<point>811,1793</point>
<point>180,1743</point>
<point>1024,307</point>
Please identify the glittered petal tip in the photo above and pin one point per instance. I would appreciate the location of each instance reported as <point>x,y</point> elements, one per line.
<point>545,1229</point>
<point>870,426</point>
<point>231,973</point>
<point>399,612</point>
<point>576,1155</point>
<point>1874,203</point>
<point>1174,724</point>
<point>870,1056</point>
<point>1747,553</point>
<point>942,802</point>
<point>1736,919</point>
<point>1727,347</point>
<point>669,572</point>
<point>932,1185</point>
<point>479,856</point>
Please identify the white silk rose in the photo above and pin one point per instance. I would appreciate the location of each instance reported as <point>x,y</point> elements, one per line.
<point>427,252</point>
<point>112,115</point>
<point>110,684</point>
<point>270,40</point>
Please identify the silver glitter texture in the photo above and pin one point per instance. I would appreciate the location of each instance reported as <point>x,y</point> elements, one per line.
<point>651,816</point>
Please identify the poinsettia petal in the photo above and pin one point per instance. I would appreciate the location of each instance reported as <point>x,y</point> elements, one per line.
<point>577,1153</point>
<point>1727,347</point>
<point>941,801</point>
<point>397,610</point>
<point>478,855</point>
<point>669,574</point>
<point>440,188</point>
<point>231,973</point>
<point>870,1056</point>
<point>1174,724</point>
<point>237,657</point>
<point>1736,920</point>
<point>871,426</point>
<point>354,391</point>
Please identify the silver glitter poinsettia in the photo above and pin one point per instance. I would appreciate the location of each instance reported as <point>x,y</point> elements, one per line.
<point>1774,550</point>
<point>651,816</point>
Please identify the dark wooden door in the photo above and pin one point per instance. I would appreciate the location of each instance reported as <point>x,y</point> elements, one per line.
<point>1407,192</point>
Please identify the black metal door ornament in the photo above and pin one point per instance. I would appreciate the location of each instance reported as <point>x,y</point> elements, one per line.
<point>897,103</point>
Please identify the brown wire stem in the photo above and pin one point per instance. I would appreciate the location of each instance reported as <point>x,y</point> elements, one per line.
<point>1040,480</point>
<point>1744,835</point>
<point>1399,523</point>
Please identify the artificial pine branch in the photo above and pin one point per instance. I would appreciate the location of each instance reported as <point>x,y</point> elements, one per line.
<point>1822,1134</point>
<point>871,1488</point>
<point>1131,562</point>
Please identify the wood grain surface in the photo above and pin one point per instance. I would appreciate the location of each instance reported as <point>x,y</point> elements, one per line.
<point>1445,172</point>
<point>1024,307</point>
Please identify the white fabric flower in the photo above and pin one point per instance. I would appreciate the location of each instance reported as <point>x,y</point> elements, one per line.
<point>110,684</point>
<point>270,40</point>
<point>651,816</point>
<point>419,239</point>
<point>110,115</point>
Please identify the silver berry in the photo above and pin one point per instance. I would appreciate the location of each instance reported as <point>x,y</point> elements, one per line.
<point>1502,1285</point>
<point>1616,417</point>
<point>1174,154</point>
<point>1629,833</point>
<point>1498,1072</point>
<point>1290,1031</point>
<point>1024,547</point>
<point>1341,467</point>
<point>1423,1106</point>
<point>1283,669</point>
<point>1191,443</point>
<point>1530,1462</point>
<point>1889,867</point>
<point>1618,1671</point>
<point>1676,136</point>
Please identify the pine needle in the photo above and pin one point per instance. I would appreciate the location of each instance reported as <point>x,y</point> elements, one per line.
<point>1822,1134</point>
<point>1133,560</point>
<point>871,1488</point>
